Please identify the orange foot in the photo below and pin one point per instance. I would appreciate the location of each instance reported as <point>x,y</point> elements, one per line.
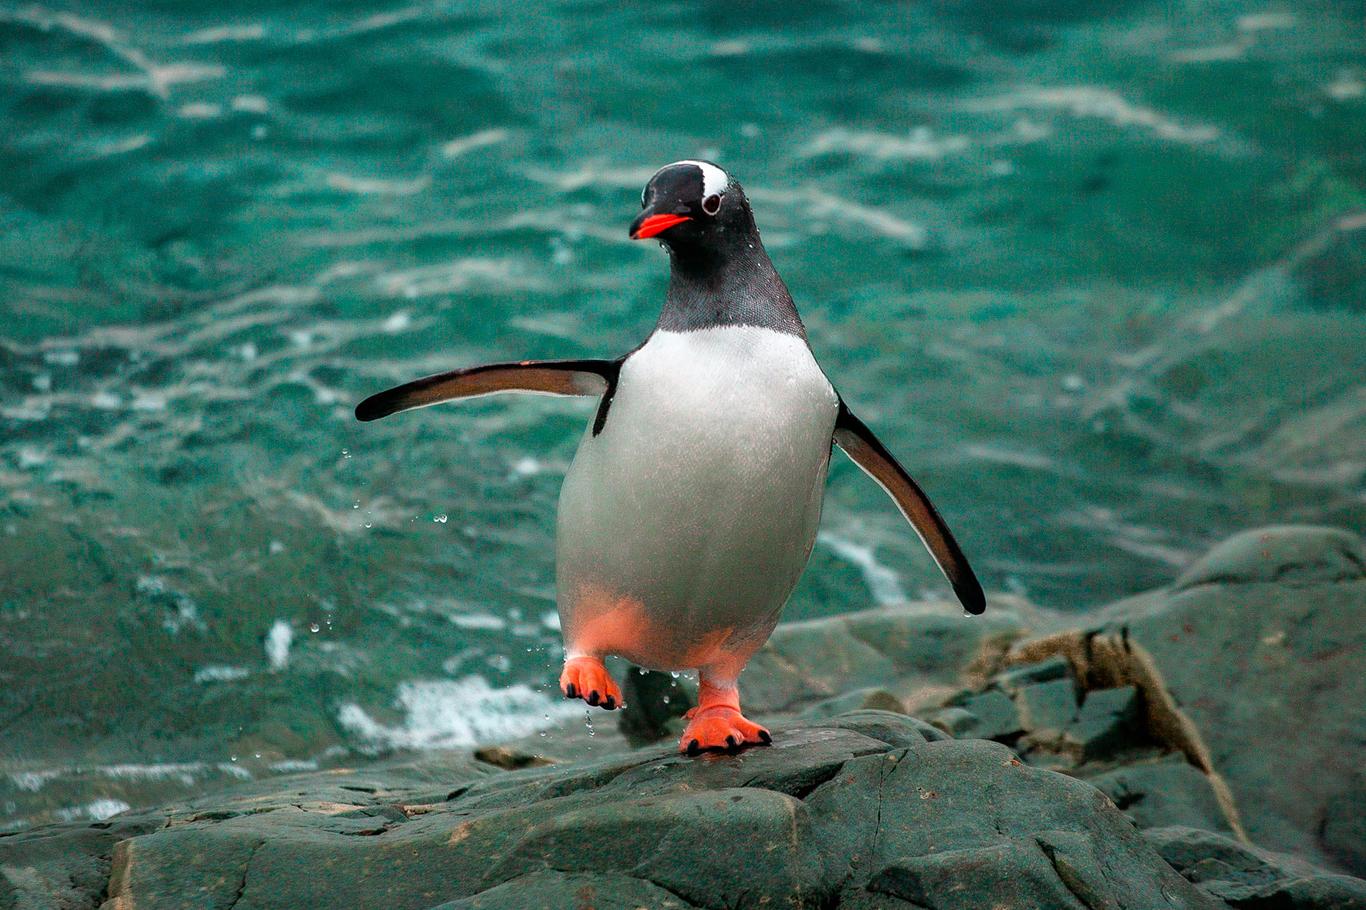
<point>720,727</point>
<point>587,678</point>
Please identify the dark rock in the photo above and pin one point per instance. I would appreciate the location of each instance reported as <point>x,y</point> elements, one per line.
<point>954,721</point>
<point>832,814</point>
<point>857,700</point>
<point>1163,792</point>
<point>892,728</point>
<point>1288,555</point>
<point>1248,877</point>
<point>996,714</point>
<point>915,644</point>
<point>1017,678</point>
<point>1047,708</point>
<point>551,890</point>
<point>1104,722</point>
<point>1261,644</point>
<point>655,701</point>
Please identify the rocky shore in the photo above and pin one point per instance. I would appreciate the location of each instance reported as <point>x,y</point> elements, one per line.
<point>1196,746</point>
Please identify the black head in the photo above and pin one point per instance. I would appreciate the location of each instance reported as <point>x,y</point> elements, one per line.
<point>694,205</point>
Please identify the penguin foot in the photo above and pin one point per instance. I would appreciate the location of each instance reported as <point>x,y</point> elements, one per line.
<point>587,678</point>
<point>721,728</point>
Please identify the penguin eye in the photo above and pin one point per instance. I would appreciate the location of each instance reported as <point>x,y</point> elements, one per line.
<point>711,204</point>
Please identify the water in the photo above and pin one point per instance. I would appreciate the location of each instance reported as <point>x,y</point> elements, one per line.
<point>1096,272</point>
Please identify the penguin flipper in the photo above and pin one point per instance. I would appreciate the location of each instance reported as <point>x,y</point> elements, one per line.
<point>859,443</point>
<point>545,377</point>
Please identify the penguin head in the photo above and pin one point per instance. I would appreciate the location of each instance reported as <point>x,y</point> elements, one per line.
<point>693,204</point>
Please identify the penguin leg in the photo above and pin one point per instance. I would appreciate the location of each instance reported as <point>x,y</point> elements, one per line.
<point>716,723</point>
<point>587,678</point>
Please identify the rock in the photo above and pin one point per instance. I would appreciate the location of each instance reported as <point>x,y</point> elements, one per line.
<point>909,646</point>
<point>954,721</point>
<point>1163,792</point>
<point>1261,645</point>
<point>859,699</point>
<point>857,811</point>
<point>655,703</point>
<point>1252,879</point>
<point>996,714</point>
<point>1289,555</point>
<point>1103,724</point>
<point>1047,708</point>
<point>1016,678</point>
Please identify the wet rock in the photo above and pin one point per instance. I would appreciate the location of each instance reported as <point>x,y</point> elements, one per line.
<point>896,648</point>
<point>1288,555</point>
<point>655,705</point>
<point>1104,723</point>
<point>1047,708</point>
<point>859,699</point>
<point>1261,645</point>
<point>859,810</point>
<point>1016,678</point>
<point>1253,879</point>
<point>1161,792</point>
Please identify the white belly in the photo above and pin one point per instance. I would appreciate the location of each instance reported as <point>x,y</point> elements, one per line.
<point>698,504</point>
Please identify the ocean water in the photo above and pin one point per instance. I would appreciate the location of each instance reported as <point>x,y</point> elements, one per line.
<point>1095,271</point>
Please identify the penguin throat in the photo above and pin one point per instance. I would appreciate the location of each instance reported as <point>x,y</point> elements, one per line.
<point>710,288</point>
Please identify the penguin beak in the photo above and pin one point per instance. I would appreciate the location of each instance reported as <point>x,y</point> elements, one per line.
<point>647,226</point>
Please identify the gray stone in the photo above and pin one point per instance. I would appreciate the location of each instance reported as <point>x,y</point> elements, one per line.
<point>1164,792</point>
<point>1250,878</point>
<point>995,713</point>
<point>954,721</point>
<point>1027,674</point>
<point>831,815</point>
<point>1286,555</point>
<point>1047,708</point>
<point>654,701</point>
<point>1261,644</point>
<point>1104,722</point>
<point>857,700</point>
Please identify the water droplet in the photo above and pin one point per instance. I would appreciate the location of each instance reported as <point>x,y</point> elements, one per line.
<point>314,627</point>
<point>233,757</point>
<point>440,519</point>
<point>588,722</point>
<point>665,699</point>
<point>369,524</point>
<point>674,674</point>
<point>346,453</point>
<point>356,504</point>
<point>257,754</point>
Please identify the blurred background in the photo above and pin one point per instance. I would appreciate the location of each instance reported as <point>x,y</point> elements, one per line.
<point>1096,271</point>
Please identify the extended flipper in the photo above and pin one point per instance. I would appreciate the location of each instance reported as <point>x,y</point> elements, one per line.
<point>545,377</point>
<point>868,453</point>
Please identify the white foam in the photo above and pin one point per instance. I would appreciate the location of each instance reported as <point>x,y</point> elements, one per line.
<point>220,673</point>
<point>278,640</point>
<point>883,583</point>
<point>479,621</point>
<point>445,714</point>
<point>98,810</point>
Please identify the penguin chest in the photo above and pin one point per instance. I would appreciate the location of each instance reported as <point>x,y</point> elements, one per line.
<point>695,508</point>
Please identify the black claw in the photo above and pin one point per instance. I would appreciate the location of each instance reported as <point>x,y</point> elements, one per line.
<point>766,737</point>
<point>592,698</point>
<point>611,703</point>
<point>732,742</point>
<point>571,691</point>
<point>694,748</point>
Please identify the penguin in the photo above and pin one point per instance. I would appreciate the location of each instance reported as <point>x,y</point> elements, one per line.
<point>692,504</point>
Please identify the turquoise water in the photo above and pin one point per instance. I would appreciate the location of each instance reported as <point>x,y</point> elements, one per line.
<point>1096,272</point>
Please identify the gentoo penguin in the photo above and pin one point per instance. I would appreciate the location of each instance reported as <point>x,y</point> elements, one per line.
<point>691,507</point>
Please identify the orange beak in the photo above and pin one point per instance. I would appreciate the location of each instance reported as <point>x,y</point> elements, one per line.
<point>651,225</point>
